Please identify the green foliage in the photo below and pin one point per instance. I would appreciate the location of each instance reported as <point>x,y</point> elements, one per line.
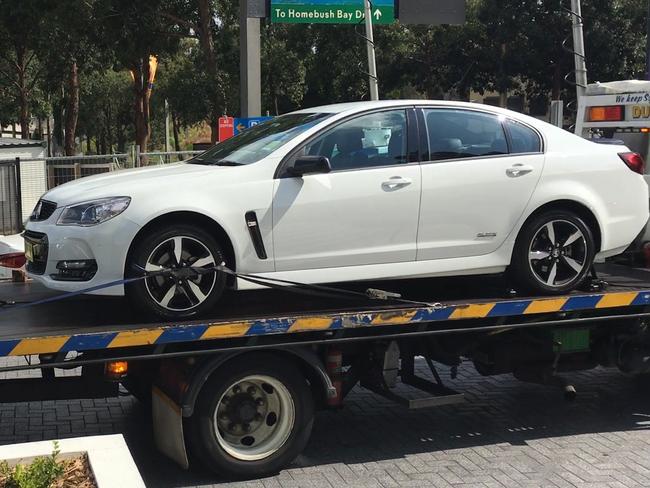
<point>513,46</point>
<point>41,473</point>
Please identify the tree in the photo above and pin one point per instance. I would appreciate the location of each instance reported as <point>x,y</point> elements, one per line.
<point>138,36</point>
<point>69,51</point>
<point>284,68</point>
<point>20,69</point>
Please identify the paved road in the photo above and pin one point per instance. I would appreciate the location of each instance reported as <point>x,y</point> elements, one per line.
<point>508,434</point>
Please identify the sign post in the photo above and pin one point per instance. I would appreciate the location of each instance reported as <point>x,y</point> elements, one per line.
<point>243,123</point>
<point>226,128</point>
<point>373,81</point>
<point>331,11</point>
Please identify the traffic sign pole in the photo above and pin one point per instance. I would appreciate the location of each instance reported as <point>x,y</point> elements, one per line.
<point>373,81</point>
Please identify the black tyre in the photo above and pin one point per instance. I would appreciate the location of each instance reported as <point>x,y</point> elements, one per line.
<point>253,416</point>
<point>179,294</point>
<point>553,253</point>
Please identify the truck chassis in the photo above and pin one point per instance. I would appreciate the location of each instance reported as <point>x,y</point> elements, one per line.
<point>238,392</point>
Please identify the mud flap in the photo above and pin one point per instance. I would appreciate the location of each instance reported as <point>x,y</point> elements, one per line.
<point>168,427</point>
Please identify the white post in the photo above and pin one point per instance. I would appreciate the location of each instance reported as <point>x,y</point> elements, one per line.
<point>167,148</point>
<point>579,48</point>
<point>372,65</point>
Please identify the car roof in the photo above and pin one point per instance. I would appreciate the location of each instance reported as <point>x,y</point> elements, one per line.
<point>369,105</point>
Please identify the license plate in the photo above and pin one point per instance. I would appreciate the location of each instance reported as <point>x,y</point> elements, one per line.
<point>29,251</point>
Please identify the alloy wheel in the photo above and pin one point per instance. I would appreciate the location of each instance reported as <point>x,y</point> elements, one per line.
<point>558,253</point>
<point>180,290</point>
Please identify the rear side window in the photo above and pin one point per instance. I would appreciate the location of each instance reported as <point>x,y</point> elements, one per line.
<point>523,139</point>
<point>455,133</point>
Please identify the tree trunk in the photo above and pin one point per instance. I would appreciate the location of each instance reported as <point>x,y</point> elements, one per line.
<point>177,143</point>
<point>49,137</point>
<point>23,94</point>
<point>142,94</point>
<point>88,148</point>
<point>557,82</point>
<point>71,109</point>
<point>207,46</point>
<point>121,138</point>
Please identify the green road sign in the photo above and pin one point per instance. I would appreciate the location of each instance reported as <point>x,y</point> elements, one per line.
<point>330,11</point>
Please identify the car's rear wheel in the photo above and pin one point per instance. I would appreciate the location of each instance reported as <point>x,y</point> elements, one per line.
<point>553,254</point>
<point>182,292</point>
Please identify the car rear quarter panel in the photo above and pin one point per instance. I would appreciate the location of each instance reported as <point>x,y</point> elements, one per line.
<point>597,178</point>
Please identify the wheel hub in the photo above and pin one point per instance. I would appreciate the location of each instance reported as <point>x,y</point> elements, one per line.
<point>254,417</point>
<point>185,286</point>
<point>558,253</point>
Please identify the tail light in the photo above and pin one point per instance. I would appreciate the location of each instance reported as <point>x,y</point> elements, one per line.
<point>634,161</point>
<point>613,113</point>
<point>13,260</point>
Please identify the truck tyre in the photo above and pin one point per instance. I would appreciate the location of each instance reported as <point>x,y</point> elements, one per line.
<point>553,253</point>
<point>252,417</point>
<point>182,294</point>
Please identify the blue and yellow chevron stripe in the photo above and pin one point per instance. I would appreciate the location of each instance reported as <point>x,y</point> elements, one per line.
<point>288,325</point>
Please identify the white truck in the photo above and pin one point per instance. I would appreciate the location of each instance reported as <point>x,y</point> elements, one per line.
<point>618,112</point>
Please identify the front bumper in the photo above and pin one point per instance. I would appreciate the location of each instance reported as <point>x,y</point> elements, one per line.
<point>105,245</point>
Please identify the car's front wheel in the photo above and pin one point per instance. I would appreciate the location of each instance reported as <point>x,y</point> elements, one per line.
<point>179,291</point>
<point>553,254</point>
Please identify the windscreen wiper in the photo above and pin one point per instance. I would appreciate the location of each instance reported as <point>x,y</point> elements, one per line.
<point>225,162</point>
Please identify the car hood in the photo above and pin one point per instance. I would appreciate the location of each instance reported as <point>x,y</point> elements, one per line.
<point>133,182</point>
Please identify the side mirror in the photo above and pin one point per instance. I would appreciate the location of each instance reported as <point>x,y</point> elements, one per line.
<point>305,165</point>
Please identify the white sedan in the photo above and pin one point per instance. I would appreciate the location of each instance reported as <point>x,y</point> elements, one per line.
<point>348,192</point>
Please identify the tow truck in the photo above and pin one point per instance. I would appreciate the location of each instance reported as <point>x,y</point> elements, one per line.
<point>238,391</point>
<point>615,112</point>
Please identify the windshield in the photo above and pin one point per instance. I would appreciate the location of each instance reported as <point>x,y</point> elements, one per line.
<point>259,141</point>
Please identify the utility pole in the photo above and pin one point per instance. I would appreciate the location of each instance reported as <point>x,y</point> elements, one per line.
<point>647,45</point>
<point>373,81</point>
<point>167,146</point>
<point>579,48</point>
<point>250,70</point>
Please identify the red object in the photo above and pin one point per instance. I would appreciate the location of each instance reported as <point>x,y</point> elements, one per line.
<point>634,161</point>
<point>334,365</point>
<point>13,260</point>
<point>226,128</point>
<point>613,113</point>
<point>646,254</point>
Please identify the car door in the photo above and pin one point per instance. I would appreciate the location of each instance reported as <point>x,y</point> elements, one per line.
<point>365,211</point>
<point>480,173</point>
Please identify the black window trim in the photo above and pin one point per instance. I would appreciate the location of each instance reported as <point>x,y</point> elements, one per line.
<point>426,148</point>
<point>281,170</point>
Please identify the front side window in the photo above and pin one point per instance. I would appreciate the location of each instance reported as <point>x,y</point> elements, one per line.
<point>259,141</point>
<point>523,139</point>
<point>455,133</point>
<point>377,139</point>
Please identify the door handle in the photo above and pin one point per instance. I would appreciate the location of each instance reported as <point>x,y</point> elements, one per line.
<point>395,183</point>
<point>518,170</point>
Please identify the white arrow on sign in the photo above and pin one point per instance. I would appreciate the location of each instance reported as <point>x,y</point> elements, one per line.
<point>377,14</point>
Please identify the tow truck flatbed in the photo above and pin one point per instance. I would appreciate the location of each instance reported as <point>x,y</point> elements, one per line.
<point>92,323</point>
<point>215,375</point>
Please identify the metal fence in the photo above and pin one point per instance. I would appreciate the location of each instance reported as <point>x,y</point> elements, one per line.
<point>62,169</point>
<point>11,221</point>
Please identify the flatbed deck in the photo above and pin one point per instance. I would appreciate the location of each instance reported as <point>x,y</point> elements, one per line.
<point>91,323</point>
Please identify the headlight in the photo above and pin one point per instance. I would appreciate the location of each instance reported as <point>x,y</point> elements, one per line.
<point>93,213</point>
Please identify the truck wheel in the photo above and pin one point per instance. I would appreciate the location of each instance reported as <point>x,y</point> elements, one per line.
<point>182,294</point>
<point>553,253</point>
<point>253,416</point>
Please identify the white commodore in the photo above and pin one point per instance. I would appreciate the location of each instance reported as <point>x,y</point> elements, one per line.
<point>358,191</point>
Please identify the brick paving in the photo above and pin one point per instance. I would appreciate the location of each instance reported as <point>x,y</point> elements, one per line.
<point>508,434</point>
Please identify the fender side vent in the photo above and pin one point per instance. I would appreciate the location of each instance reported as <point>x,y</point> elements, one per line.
<point>256,235</point>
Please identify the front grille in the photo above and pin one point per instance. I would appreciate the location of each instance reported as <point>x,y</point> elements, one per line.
<point>40,250</point>
<point>43,211</point>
